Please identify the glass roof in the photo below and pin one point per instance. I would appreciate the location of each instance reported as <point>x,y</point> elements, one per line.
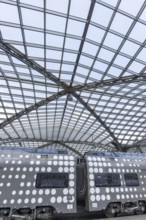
<point>72,74</point>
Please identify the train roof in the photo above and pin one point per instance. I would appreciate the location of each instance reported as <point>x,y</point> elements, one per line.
<point>33,150</point>
<point>115,154</point>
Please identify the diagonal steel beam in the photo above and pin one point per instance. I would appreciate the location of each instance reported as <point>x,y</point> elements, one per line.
<point>55,96</point>
<point>23,58</point>
<point>69,148</point>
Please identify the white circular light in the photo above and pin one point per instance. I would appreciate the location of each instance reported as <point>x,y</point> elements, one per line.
<point>40,200</point>
<point>92,198</point>
<point>53,199</point>
<point>53,191</point>
<point>59,199</point>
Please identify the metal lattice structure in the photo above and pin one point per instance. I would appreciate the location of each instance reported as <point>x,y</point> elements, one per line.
<point>73,74</point>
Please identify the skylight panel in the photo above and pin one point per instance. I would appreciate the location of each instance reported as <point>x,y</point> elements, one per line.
<point>95,75</point>
<point>129,48</point>
<point>32,18</point>
<point>114,71</point>
<point>121,23</point>
<point>53,54</point>
<point>130,6</point>
<point>100,66</point>
<point>57,5</point>
<point>95,34</point>
<point>106,55</point>
<point>55,23</point>
<point>142,55</point>
<point>9,13</point>
<point>66,67</point>
<point>112,41</point>
<point>54,40</point>
<point>111,2</point>
<point>53,66</point>
<point>35,52</point>
<point>34,37</point>
<point>139,32</point>
<point>136,67</point>
<point>72,44</point>
<point>77,5</point>
<point>90,48</point>
<point>4,58</point>
<point>69,57</point>
<point>86,61</point>
<point>75,27</point>
<point>121,61</point>
<point>79,79</point>
<point>143,15</point>
<point>99,13</point>
<point>37,3</point>
<point>10,33</point>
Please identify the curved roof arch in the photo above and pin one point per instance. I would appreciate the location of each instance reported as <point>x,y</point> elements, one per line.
<point>73,74</point>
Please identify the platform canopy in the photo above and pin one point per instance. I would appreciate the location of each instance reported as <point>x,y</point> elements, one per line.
<point>73,74</point>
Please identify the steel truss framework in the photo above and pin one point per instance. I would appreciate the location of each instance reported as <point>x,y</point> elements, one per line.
<point>62,85</point>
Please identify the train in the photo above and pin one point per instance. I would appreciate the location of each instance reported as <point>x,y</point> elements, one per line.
<point>41,184</point>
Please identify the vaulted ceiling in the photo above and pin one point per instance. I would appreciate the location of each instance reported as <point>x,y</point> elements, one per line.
<point>73,74</point>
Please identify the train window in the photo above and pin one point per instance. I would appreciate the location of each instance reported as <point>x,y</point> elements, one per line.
<point>107,179</point>
<point>52,180</point>
<point>131,179</point>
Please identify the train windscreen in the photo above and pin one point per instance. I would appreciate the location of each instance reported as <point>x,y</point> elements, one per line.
<point>52,180</point>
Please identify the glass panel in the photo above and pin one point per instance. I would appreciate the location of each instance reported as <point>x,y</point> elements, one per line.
<point>95,34</point>
<point>131,179</point>
<point>100,66</point>
<point>129,48</point>
<point>36,3</point>
<point>57,5</point>
<point>10,33</point>
<point>69,57</point>
<point>53,54</point>
<point>32,18</point>
<point>112,41</point>
<point>54,40</point>
<point>121,61</point>
<point>75,27</point>
<point>82,71</point>
<point>95,75</point>
<point>107,179</point>
<point>106,55</point>
<point>52,180</point>
<point>4,58</point>
<point>131,8</point>
<point>136,67</point>
<point>90,48</point>
<point>114,71</point>
<point>139,32</point>
<point>34,37</point>
<point>142,55</point>
<point>72,44</point>
<point>111,2</point>
<point>55,23</point>
<point>77,5</point>
<point>143,16</point>
<point>124,22</point>
<point>86,61</point>
<point>35,52</point>
<point>99,13</point>
<point>9,13</point>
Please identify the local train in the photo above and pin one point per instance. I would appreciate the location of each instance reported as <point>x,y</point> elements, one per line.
<point>37,184</point>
